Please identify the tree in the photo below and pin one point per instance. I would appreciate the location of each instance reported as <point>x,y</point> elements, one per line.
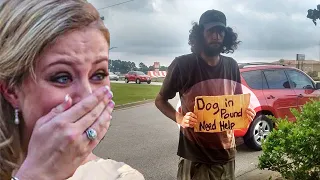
<point>313,74</point>
<point>143,67</point>
<point>151,68</point>
<point>163,68</point>
<point>121,66</point>
<point>132,66</point>
<point>314,14</point>
<point>281,61</point>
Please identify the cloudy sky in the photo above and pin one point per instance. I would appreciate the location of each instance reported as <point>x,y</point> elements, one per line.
<point>157,30</point>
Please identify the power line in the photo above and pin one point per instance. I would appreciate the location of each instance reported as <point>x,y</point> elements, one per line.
<point>115,4</point>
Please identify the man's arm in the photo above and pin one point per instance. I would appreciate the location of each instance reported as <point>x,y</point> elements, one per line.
<point>171,85</point>
<point>186,121</point>
<point>167,109</point>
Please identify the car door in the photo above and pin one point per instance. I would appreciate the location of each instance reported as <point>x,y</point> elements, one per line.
<point>130,76</point>
<point>303,86</point>
<point>279,93</point>
<point>133,76</point>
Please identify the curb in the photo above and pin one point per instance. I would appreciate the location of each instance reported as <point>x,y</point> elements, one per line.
<point>123,106</point>
<point>258,174</point>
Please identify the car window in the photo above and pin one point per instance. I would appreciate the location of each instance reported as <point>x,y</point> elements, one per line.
<point>276,79</point>
<point>111,73</point>
<point>299,80</point>
<point>140,73</point>
<point>255,79</point>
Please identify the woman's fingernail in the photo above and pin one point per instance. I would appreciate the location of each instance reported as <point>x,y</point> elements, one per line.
<point>66,98</point>
<point>111,104</point>
<point>106,89</point>
<point>110,94</point>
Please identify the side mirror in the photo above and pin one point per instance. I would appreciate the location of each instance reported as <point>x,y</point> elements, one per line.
<point>318,85</point>
<point>308,87</point>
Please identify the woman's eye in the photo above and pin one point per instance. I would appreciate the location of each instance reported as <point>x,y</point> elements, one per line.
<point>99,76</point>
<point>61,79</point>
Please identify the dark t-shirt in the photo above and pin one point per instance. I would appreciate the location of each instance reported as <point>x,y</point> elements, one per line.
<point>191,76</point>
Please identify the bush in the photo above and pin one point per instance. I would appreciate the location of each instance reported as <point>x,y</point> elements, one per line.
<point>294,148</point>
<point>313,74</point>
<point>316,78</point>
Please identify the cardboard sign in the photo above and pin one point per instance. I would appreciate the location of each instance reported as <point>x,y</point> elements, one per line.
<point>221,113</point>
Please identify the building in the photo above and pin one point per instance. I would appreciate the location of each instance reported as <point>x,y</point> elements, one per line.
<point>306,65</point>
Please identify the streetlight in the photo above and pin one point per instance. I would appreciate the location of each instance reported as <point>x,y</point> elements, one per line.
<point>112,48</point>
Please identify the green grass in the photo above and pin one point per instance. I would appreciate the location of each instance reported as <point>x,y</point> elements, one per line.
<point>128,93</point>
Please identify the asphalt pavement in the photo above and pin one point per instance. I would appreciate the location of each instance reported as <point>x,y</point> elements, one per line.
<point>146,140</point>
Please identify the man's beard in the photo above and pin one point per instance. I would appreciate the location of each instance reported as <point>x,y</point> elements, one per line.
<point>211,51</point>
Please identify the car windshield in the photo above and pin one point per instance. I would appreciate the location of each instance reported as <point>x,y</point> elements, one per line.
<point>111,73</point>
<point>140,73</point>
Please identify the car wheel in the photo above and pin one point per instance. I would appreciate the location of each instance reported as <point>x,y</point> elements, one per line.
<point>126,80</point>
<point>258,131</point>
<point>149,82</point>
<point>138,81</point>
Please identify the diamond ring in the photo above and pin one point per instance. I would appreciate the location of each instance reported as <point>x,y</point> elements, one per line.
<point>91,134</point>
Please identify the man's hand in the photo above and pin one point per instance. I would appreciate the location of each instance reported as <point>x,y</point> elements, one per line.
<point>189,120</point>
<point>251,114</point>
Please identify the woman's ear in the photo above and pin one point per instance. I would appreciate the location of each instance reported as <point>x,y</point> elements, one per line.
<point>9,93</point>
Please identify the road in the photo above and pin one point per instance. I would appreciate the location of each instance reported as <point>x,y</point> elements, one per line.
<point>152,83</point>
<point>146,140</point>
<point>158,83</point>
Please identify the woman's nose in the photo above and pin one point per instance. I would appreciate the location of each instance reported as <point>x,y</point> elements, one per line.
<point>81,91</point>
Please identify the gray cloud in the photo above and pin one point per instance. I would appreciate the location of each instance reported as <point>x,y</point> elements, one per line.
<point>152,30</point>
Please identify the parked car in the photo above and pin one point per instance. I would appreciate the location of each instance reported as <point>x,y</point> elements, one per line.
<point>113,76</point>
<point>137,76</point>
<point>274,89</point>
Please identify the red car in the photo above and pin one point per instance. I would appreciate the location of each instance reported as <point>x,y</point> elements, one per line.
<point>274,89</point>
<point>137,76</point>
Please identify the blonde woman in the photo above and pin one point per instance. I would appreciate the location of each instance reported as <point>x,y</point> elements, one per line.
<point>55,100</point>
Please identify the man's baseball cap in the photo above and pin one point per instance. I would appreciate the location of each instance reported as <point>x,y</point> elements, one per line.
<point>212,18</point>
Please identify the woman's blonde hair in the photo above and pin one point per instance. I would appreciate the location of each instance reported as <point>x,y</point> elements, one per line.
<point>26,28</point>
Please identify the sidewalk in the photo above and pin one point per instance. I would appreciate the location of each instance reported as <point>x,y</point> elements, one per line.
<point>258,174</point>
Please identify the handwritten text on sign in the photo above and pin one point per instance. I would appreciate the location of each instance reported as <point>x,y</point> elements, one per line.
<point>221,113</point>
